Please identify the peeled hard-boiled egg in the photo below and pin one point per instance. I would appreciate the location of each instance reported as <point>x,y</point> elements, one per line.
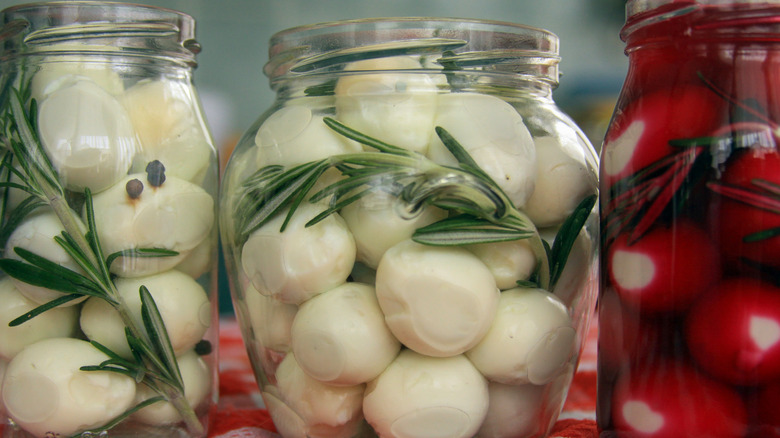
<point>306,407</point>
<point>377,225</point>
<point>60,322</point>
<point>509,262</point>
<point>514,411</point>
<point>270,318</point>
<point>495,136</point>
<point>294,135</point>
<point>438,301</point>
<point>197,383</point>
<point>562,181</point>
<point>163,114</point>
<point>176,215</point>
<point>183,304</point>
<point>340,336</point>
<point>74,62</point>
<point>300,262</point>
<point>378,99</point>
<point>36,234</point>
<point>419,396</point>
<point>531,339</point>
<point>88,136</point>
<point>46,393</point>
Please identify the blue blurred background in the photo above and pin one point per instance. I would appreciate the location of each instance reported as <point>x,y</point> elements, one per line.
<point>235,33</point>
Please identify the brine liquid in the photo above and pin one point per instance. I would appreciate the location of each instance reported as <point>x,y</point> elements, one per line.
<point>689,308</point>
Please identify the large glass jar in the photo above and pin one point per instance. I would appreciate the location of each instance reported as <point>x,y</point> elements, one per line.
<point>108,188</point>
<point>690,180</point>
<point>387,225</point>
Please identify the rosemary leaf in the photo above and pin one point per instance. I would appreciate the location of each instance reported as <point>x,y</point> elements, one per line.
<point>52,276</point>
<point>465,236</point>
<point>36,162</point>
<point>336,206</point>
<point>91,433</point>
<point>155,328</point>
<point>43,308</point>
<point>279,195</point>
<point>567,235</point>
<point>140,253</point>
<point>762,235</point>
<point>364,139</point>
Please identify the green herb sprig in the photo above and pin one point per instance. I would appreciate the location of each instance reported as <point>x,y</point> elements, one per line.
<point>154,362</point>
<point>481,211</point>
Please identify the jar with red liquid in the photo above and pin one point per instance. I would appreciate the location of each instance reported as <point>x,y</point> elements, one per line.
<point>689,304</point>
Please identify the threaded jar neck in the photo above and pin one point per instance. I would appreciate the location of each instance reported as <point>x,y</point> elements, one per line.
<point>450,45</point>
<point>89,27</point>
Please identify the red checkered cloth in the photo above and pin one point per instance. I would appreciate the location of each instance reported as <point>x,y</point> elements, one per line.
<point>240,413</point>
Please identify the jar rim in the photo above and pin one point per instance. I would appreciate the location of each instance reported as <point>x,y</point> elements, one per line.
<point>729,18</point>
<point>636,7</point>
<point>469,43</point>
<point>134,29</point>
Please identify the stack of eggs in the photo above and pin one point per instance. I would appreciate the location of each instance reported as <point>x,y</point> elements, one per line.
<point>141,148</point>
<point>351,319</point>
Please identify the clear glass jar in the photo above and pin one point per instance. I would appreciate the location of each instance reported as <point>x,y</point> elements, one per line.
<point>391,280</point>
<point>690,301</point>
<point>108,298</point>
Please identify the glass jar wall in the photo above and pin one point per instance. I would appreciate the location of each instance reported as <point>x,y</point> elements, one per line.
<point>689,301</point>
<point>109,185</point>
<point>409,231</point>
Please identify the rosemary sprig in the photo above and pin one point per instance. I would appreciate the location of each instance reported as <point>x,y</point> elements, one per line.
<point>482,213</point>
<point>153,360</point>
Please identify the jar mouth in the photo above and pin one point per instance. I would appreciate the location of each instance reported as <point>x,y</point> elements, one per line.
<point>642,13</point>
<point>452,43</point>
<point>75,27</point>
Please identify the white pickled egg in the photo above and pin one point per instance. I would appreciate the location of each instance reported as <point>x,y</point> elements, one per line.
<point>36,234</point>
<point>562,181</point>
<point>164,115</point>
<point>302,261</point>
<point>376,224</point>
<point>514,411</point>
<point>87,135</point>
<point>200,259</point>
<point>509,262</point>
<point>60,322</point>
<point>531,339</point>
<point>183,304</point>
<point>495,136</point>
<point>176,215</point>
<point>197,384</point>
<point>186,156</point>
<point>340,336</point>
<point>580,271</point>
<point>438,301</point>
<point>294,135</point>
<point>379,100</point>
<point>419,397</point>
<point>271,320</point>
<point>46,393</point>
<point>313,408</point>
<point>74,63</point>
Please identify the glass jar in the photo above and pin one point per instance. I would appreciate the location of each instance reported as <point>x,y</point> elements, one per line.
<point>385,225</point>
<point>108,299</point>
<point>689,305</point>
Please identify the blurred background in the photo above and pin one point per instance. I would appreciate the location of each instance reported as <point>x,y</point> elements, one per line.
<point>234,35</point>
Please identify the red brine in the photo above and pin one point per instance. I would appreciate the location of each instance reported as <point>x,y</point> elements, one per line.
<point>689,306</point>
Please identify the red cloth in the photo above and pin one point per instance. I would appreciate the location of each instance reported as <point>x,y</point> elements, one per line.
<point>240,413</point>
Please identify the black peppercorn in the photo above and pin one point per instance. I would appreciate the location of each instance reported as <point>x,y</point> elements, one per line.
<point>134,187</point>
<point>155,173</point>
